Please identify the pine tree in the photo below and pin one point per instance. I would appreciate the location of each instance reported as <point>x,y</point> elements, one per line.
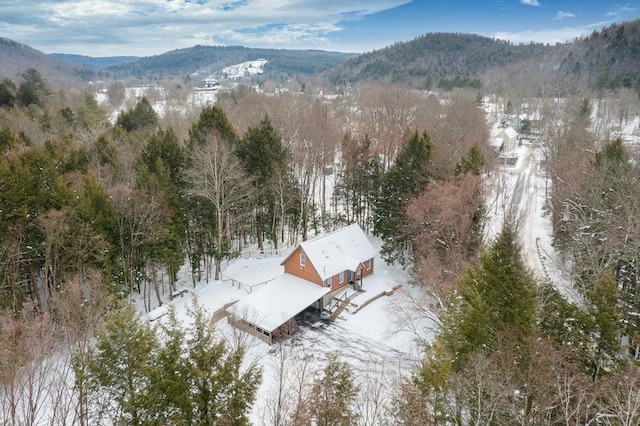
<point>407,177</point>
<point>7,93</point>
<point>472,162</point>
<point>137,374</point>
<point>33,89</point>
<point>603,298</point>
<point>221,391</point>
<point>358,180</point>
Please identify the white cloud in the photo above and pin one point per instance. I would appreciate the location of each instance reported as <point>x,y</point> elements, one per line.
<point>622,10</point>
<point>315,34</point>
<point>530,2</point>
<point>146,27</point>
<point>562,15</point>
<point>550,36</point>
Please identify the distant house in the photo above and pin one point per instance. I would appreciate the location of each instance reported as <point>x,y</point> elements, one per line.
<point>508,137</point>
<point>313,273</point>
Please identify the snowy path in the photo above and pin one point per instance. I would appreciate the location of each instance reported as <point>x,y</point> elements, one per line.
<point>519,193</point>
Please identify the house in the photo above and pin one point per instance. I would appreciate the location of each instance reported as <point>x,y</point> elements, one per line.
<point>509,137</point>
<point>314,272</point>
<point>333,260</point>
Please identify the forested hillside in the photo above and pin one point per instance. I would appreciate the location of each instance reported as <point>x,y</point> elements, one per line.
<point>93,62</point>
<point>607,59</point>
<point>436,60</point>
<point>17,57</point>
<point>282,64</point>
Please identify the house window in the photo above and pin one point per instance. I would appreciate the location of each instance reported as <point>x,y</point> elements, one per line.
<point>341,277</point>
<point>327,282</point>
<point>303,259</point>
<point>367,264</point>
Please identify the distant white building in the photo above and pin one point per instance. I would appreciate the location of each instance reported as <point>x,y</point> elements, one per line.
<point>508,137</point>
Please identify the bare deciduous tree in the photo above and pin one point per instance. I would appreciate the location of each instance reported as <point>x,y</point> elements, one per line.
<point>445,220</point>
<point>217,175</point>
<point>619,403</point>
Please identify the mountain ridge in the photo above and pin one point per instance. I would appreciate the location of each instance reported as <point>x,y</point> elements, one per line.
<point>18,57</point>
<point>606,59</point>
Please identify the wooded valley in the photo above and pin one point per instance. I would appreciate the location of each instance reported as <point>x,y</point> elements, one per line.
<point>102,203</point>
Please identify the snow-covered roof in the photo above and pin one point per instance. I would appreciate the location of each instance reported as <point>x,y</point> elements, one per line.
<point>509,132</point>
<point>277,302</point>
<point>339,251</point>
<point>252,272</point>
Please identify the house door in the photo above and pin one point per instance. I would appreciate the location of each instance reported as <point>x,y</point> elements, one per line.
<point>350,276</point>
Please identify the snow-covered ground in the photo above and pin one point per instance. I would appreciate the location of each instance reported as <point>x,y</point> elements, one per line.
<point>372,340</point>
<point>521,192</point>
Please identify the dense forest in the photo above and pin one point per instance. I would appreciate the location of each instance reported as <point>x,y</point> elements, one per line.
<point>96,212</point>
<point>606,59</point>
<point>436,60</point>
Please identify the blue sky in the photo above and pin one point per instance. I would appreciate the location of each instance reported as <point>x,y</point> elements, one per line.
<point>148,27</point>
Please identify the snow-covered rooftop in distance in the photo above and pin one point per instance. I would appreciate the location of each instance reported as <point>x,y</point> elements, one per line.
<point>339,251</point>
<point>252,272</point>
<point>509,132</point>
<point>277,301</point>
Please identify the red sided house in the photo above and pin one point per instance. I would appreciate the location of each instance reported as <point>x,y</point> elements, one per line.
<point>313,273</point>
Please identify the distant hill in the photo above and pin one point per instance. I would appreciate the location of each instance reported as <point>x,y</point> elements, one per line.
<point>18,57</point>
<point>281,64</point>
<point>94,62</point>
<point>607,59</point>
<point>443,60</point>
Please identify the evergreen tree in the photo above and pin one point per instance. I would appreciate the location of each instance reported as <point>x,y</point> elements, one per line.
<point>7,93</point>
<point>91,114</point>
<point>170,381</point>
<point>266,160</point>
<point>212,127</point>
<point>161,163</point>
<point>568,325</point>
<point>497,294</point>
<point>221,391</point>
<point>212,122</point>
<point>7,139</point>
<point>333,394</point>
<point>358,180</point>
<point>187,377</point>
<point>472,162</point>
<point>163,150</point>
<point>33,88</point>
<point>116,373</point>
<point>142,116</point>
<point>603,308</point>
<point>407,177</point>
